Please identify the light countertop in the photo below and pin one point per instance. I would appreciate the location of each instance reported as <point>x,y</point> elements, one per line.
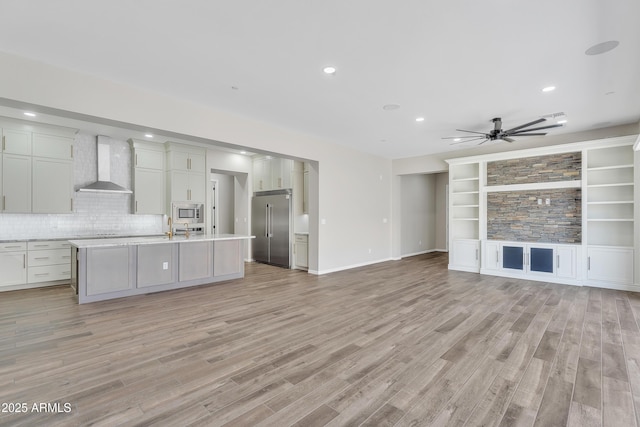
<point>152,240</point>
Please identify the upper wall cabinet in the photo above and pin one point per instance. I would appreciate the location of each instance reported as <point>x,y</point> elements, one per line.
<point>186,174</point>
<point>37,170</point>
<point>270,173</point>
<point>148,177</point>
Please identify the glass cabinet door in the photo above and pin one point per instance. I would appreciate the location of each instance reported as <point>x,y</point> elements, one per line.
<point>541,260</point>
<point>513,257</point>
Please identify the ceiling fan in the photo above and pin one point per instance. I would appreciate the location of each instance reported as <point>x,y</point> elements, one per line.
<point>499,134</point>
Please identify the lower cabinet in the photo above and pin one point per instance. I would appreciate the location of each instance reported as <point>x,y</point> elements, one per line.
<point>531,260</point>
<point>301,248</point>
<point>607,264</point>
<point>195,261</point>
<point>155,265</point>
<point>13,264</point>
<point>109,270</point>
<point>465,255</point>
<point>49,261</point>
<point>227,257</point>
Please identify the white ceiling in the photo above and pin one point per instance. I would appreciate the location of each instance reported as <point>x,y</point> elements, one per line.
<point>457,63</point>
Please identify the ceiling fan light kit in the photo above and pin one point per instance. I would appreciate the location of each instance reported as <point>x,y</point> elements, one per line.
<point>498,134</point>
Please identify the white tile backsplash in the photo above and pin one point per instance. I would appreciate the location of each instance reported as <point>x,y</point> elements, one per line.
<point>94,213</point>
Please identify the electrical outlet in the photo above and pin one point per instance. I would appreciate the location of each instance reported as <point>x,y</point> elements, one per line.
<point>165,265</point>
<point>539,201</point>
<point>548,201</point>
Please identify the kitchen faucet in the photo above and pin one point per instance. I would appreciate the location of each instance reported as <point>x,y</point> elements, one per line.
<point>170,232</point>
<point>186,226</point>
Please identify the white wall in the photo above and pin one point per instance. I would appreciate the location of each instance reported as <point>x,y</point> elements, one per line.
<point>442,182</point>
<point>351,191</point>
<point>418,218</point>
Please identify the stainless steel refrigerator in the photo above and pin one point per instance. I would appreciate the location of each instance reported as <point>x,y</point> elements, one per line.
<point>271,224</point>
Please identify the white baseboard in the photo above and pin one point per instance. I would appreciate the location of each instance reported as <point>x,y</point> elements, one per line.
<point>348,267</point>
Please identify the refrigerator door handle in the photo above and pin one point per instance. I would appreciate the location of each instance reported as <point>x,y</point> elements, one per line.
<point>266,220</point>
<point>270,220</point>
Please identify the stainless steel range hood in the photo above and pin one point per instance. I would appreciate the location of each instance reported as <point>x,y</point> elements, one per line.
<point>104,184</point>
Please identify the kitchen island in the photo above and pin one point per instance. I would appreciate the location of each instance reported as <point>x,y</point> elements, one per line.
<point>119,267</point>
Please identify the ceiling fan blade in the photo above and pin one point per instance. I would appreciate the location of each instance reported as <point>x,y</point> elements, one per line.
<point>468,140</point>
<point>528,134</point>
<point>470,131</point>
<point>485,140</point>
<point>535,122</point>
<point>532,129</point>
<point>505,138</point>
<point>456,137</point>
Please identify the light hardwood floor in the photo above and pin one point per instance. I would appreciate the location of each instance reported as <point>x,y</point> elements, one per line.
<point>403,343</point>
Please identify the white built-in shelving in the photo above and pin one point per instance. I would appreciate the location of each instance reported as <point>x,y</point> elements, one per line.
<point>610,196</point>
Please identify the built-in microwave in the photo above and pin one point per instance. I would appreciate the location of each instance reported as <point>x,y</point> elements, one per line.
<point>190,213</point>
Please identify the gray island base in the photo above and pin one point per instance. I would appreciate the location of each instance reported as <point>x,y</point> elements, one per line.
<point>114,268</point>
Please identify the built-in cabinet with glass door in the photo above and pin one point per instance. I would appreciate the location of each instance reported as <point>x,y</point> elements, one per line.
<point>604,257</point>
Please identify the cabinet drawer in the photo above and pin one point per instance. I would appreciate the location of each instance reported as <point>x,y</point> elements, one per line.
<point>49,273</point>
<point>49,257</point>
<point>302,238</point>
<point>13,246</point>
<point>48,244</point>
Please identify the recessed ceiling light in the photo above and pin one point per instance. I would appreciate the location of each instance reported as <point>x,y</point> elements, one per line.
<point>148,135</point>
<point>243,152</point>
<point>457,139</point>
<point>549,89</point>
<point>329,70</point>
<point>561,122</point>
<point>601,48</point>
<point>27,113</point>
<point>389,107</point>
<point>420,119</point>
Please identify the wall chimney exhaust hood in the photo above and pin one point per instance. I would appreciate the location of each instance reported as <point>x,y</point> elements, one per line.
<point>104,184</point>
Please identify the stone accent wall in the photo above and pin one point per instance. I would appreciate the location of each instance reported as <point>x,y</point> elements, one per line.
<point>551,168</point>
<point>516,216</point>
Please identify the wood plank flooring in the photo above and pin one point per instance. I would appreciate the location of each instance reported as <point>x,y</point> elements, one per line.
<point>402,343</point>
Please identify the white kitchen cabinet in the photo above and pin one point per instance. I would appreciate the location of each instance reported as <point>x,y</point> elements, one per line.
<point>185,158</point>
<point>13,263</point>
<point>148,178</point>
<point>52,187</point>
<point>301,248</point>
<point>16,142</point>
<point>16,183</point>
<point>185,186</point>
<point>186,174</point>
<point>52,146</point>
<point>466,255</point>
<point>609,265</point>
<point>270,173</point>
<point>48,261</point>
<point>305,191</point>
<point>37,171</point>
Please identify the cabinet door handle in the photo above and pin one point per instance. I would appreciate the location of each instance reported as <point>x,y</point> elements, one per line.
<point>42,257</point>
<point>71,151</point>
<point>4,200</point>
<point>41,274</point>
<point>588,263</point>
<point>498,258</point>
<point>3,147</point>
<point>136,206</point>
<point>24,261</point>
<point>557,261</point>
<point>11,247</point>
<point>476,254</point>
